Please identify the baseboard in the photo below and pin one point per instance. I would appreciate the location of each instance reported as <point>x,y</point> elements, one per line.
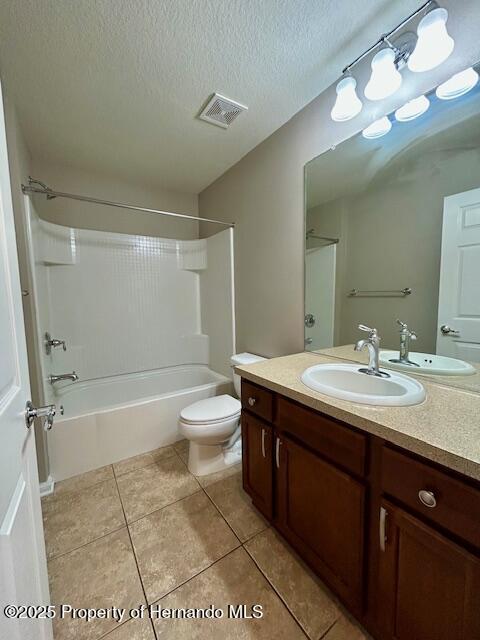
<point>46,488</point>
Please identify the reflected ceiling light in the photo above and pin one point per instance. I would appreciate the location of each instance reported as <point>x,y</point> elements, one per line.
<point>347,104</point>
<point>458,85</point>
<point>434,45</point>
<point>377,129</point>
<point>385,78</point>
<point>412,109</point>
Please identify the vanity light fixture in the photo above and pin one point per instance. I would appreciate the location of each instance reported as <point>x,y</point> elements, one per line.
<point>434,44</point>
<point>347,104</point>
<point>385,79</point>
<point>425,50</point>
<point>412,109</point>
<point>377,129</point>
<point>458,85</point>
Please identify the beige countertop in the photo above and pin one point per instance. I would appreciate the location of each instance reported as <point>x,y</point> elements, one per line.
<point>467,383</point>
<point>445,428</point>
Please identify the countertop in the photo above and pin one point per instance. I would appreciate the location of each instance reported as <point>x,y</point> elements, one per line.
<point>445,428</point>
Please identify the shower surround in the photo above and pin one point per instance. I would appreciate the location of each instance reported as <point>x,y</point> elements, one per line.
<point>149,326</point>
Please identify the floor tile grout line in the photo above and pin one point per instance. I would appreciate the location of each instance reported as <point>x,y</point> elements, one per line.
<point>65,553</point>
<point>136,561</point>
<point>204,489</point>
<point>163,507</point>
<point>52,496</point>
<point>196,575</point>
<point>257,533</point>
<point>241,546</point>
<point>222,516</point>
<point>324,635</point>
<point>281,598</point>
<point>238,545</point>
<point>150,464</point>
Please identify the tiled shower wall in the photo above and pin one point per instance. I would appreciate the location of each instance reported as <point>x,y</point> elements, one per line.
<point>127,303</point>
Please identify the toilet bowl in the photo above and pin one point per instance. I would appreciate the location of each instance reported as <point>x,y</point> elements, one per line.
<point>213,427</point>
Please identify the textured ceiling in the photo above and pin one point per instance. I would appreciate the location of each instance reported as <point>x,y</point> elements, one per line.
<point>114,85</point>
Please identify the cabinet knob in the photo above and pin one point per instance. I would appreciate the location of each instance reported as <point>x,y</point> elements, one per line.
<point>427,498</point>
<point>252,401</point>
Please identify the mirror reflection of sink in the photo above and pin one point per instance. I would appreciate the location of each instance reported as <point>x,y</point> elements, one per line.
<point>346,382</point>
<point>429,364</point>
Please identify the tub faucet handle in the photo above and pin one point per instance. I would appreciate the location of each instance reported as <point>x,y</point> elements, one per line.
<point>53,343</point>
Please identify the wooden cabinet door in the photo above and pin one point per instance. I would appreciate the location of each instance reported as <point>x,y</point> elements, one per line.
<point>320,510</point>
<point>257,442</point>
<point>429,587</point>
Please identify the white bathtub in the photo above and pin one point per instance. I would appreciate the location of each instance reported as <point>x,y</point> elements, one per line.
<point>114,418</point>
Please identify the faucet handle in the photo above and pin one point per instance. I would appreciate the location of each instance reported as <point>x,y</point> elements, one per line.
<point>404,327</point>
<point>363,327</point>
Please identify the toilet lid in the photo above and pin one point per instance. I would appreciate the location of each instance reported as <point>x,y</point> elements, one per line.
<point>211,409</point>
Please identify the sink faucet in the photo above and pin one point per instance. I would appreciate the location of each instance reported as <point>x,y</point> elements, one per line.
<point>62,376</point>
<point>372,343</point>
<point>405,336</point>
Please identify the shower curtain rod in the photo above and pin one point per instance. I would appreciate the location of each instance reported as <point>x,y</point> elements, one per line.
<point>51,194</point>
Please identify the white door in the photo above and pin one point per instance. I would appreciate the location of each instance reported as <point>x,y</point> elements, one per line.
<point>23,569</point>
<point>458,332</point>
<point>320,296</point>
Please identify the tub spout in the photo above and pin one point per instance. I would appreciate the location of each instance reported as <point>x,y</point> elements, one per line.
<point>62,376</point>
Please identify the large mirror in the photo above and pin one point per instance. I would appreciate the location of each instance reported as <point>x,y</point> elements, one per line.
<point>392,231</point>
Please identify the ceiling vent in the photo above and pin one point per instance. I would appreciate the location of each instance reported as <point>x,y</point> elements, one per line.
<point>221,111</point>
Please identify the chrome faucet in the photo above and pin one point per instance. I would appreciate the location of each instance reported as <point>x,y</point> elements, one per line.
<point>62,376</point>
<point>372,343</point>
<point>53,343</point>
<point>405,336</point>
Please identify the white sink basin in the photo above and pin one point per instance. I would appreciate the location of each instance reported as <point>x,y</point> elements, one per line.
<point>429,364</point>
<point>346,382</point>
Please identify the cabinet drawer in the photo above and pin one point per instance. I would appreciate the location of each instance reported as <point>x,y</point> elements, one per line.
<point>455,504</point>
<point>336,442</point>
<point>257,400</point>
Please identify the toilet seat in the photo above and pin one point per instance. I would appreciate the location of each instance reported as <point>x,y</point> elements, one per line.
<point>211,411</point>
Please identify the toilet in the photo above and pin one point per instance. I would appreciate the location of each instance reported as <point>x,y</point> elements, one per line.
<point>213,427</point>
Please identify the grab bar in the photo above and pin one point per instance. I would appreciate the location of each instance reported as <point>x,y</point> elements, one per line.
<point>354,293</point>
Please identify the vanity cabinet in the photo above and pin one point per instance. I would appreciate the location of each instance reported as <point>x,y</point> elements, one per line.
<point>395,536</point>
<point>321,511</point>
<point>428,586</point>
<point>257,443</point>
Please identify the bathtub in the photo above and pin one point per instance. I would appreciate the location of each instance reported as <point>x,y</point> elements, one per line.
<point>110,419</point>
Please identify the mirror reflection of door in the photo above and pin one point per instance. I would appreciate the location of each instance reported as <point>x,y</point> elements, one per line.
<point>459,295</point>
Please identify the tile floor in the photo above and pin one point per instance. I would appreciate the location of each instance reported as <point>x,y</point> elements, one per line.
<point>146,531</point>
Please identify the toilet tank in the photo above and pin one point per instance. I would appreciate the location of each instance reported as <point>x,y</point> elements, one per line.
<point>240,359</point>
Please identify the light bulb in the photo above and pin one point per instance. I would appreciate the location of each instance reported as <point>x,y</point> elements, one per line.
<point>458,85</point>
<point>377,129</point>
<point>412,109</point>
<point>434,45</point>
<point>385,78</point>
<point>347,104</point>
